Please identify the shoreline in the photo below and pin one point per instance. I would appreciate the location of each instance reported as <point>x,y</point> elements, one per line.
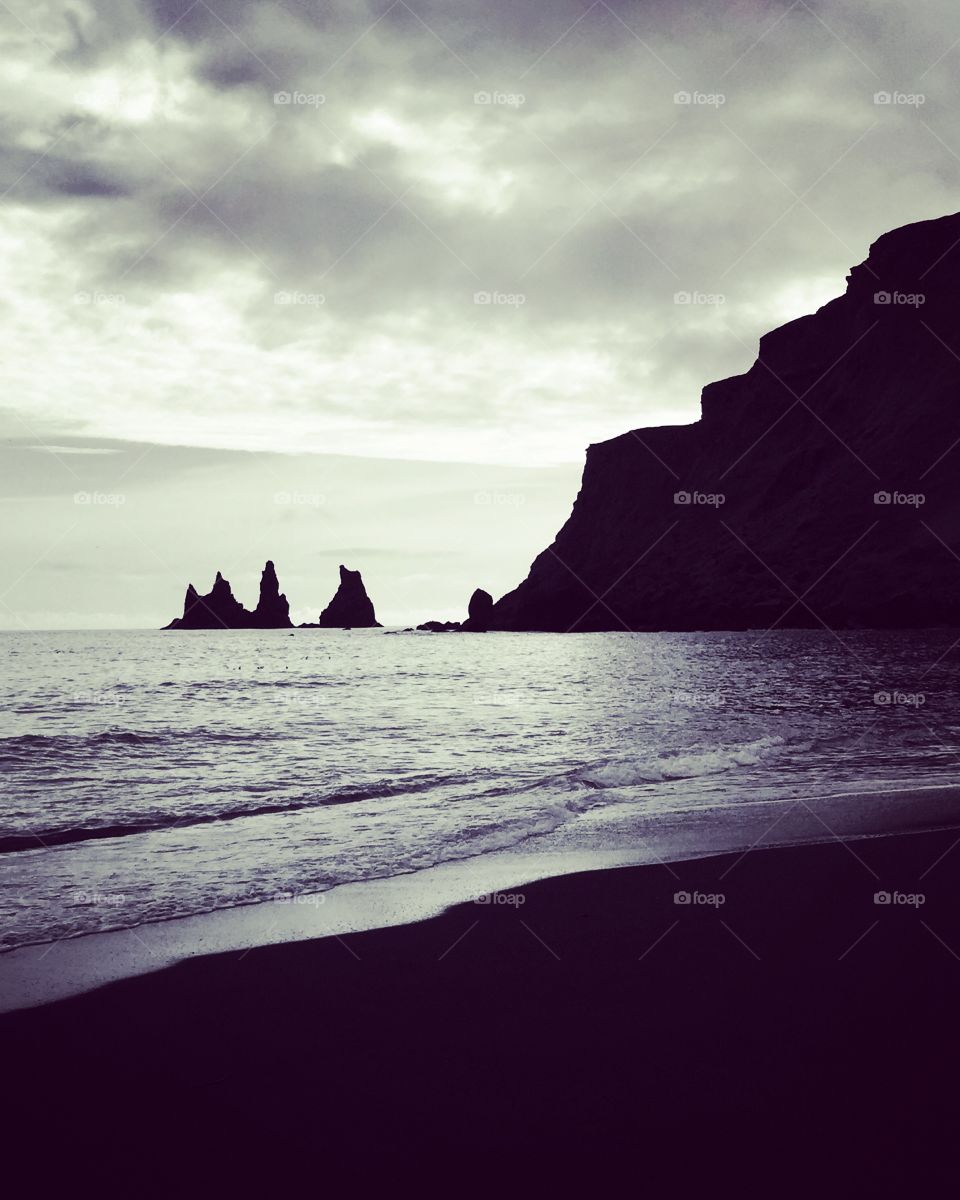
<point>46,972</point>
<point>798,1012</point>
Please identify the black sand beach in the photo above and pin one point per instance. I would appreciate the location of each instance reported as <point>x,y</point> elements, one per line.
<point>799,1026</point>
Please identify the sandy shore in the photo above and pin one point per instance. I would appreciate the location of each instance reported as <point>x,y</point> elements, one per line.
<point>598,840</point>
<point>781,1014</point>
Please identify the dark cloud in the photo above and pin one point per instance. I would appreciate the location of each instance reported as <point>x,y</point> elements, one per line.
<point>26,175</point>
<point>192,19</point>
<point>386,203</point>
<point>81,180</point>
<point>232,69</point>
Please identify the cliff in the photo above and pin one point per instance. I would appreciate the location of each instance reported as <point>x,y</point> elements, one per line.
<point>818,488</point>
<point>219,608</point>
<point>350,608</point>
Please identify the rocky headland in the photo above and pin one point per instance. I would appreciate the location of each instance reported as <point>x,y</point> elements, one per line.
<point>817,489</point>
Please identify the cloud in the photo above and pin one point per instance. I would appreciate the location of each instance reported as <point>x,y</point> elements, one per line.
<point>435,230</point>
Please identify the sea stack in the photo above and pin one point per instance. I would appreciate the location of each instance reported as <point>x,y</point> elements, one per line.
<point>817,489</point>
<point>351,607</point>
<point>479,615</point>
<point>220,609</point>
<point>479,612</point>
<point>272,611</point>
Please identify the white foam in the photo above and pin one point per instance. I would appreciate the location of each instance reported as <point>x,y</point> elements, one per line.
<point>632,771</point>
<point>33,975</point>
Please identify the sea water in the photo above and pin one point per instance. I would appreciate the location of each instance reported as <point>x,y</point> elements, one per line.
<point>147,776</point>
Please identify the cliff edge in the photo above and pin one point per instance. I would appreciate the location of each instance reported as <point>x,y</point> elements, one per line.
<point>817,489</point>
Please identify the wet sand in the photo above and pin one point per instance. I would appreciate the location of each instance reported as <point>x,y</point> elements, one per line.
<point>780,1021</point>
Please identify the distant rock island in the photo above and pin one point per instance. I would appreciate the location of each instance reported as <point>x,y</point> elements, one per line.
<point>818,489</point>
<point>350,608</point>
<point>479,611</point>
<point>219,609</point>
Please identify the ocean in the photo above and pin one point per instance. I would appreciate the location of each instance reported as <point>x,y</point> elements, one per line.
<point>147,776</point>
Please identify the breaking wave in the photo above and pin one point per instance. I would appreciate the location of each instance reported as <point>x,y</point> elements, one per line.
<point>633,770</point>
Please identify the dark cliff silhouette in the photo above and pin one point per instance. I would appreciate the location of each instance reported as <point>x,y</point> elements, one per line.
<point>479,612</point>
<point>272,611</point>
<point>350,608</point>
<point>220,609</point>
<point>817,489</point>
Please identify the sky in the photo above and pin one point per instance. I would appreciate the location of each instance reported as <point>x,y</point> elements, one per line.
<point>360,282</point>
